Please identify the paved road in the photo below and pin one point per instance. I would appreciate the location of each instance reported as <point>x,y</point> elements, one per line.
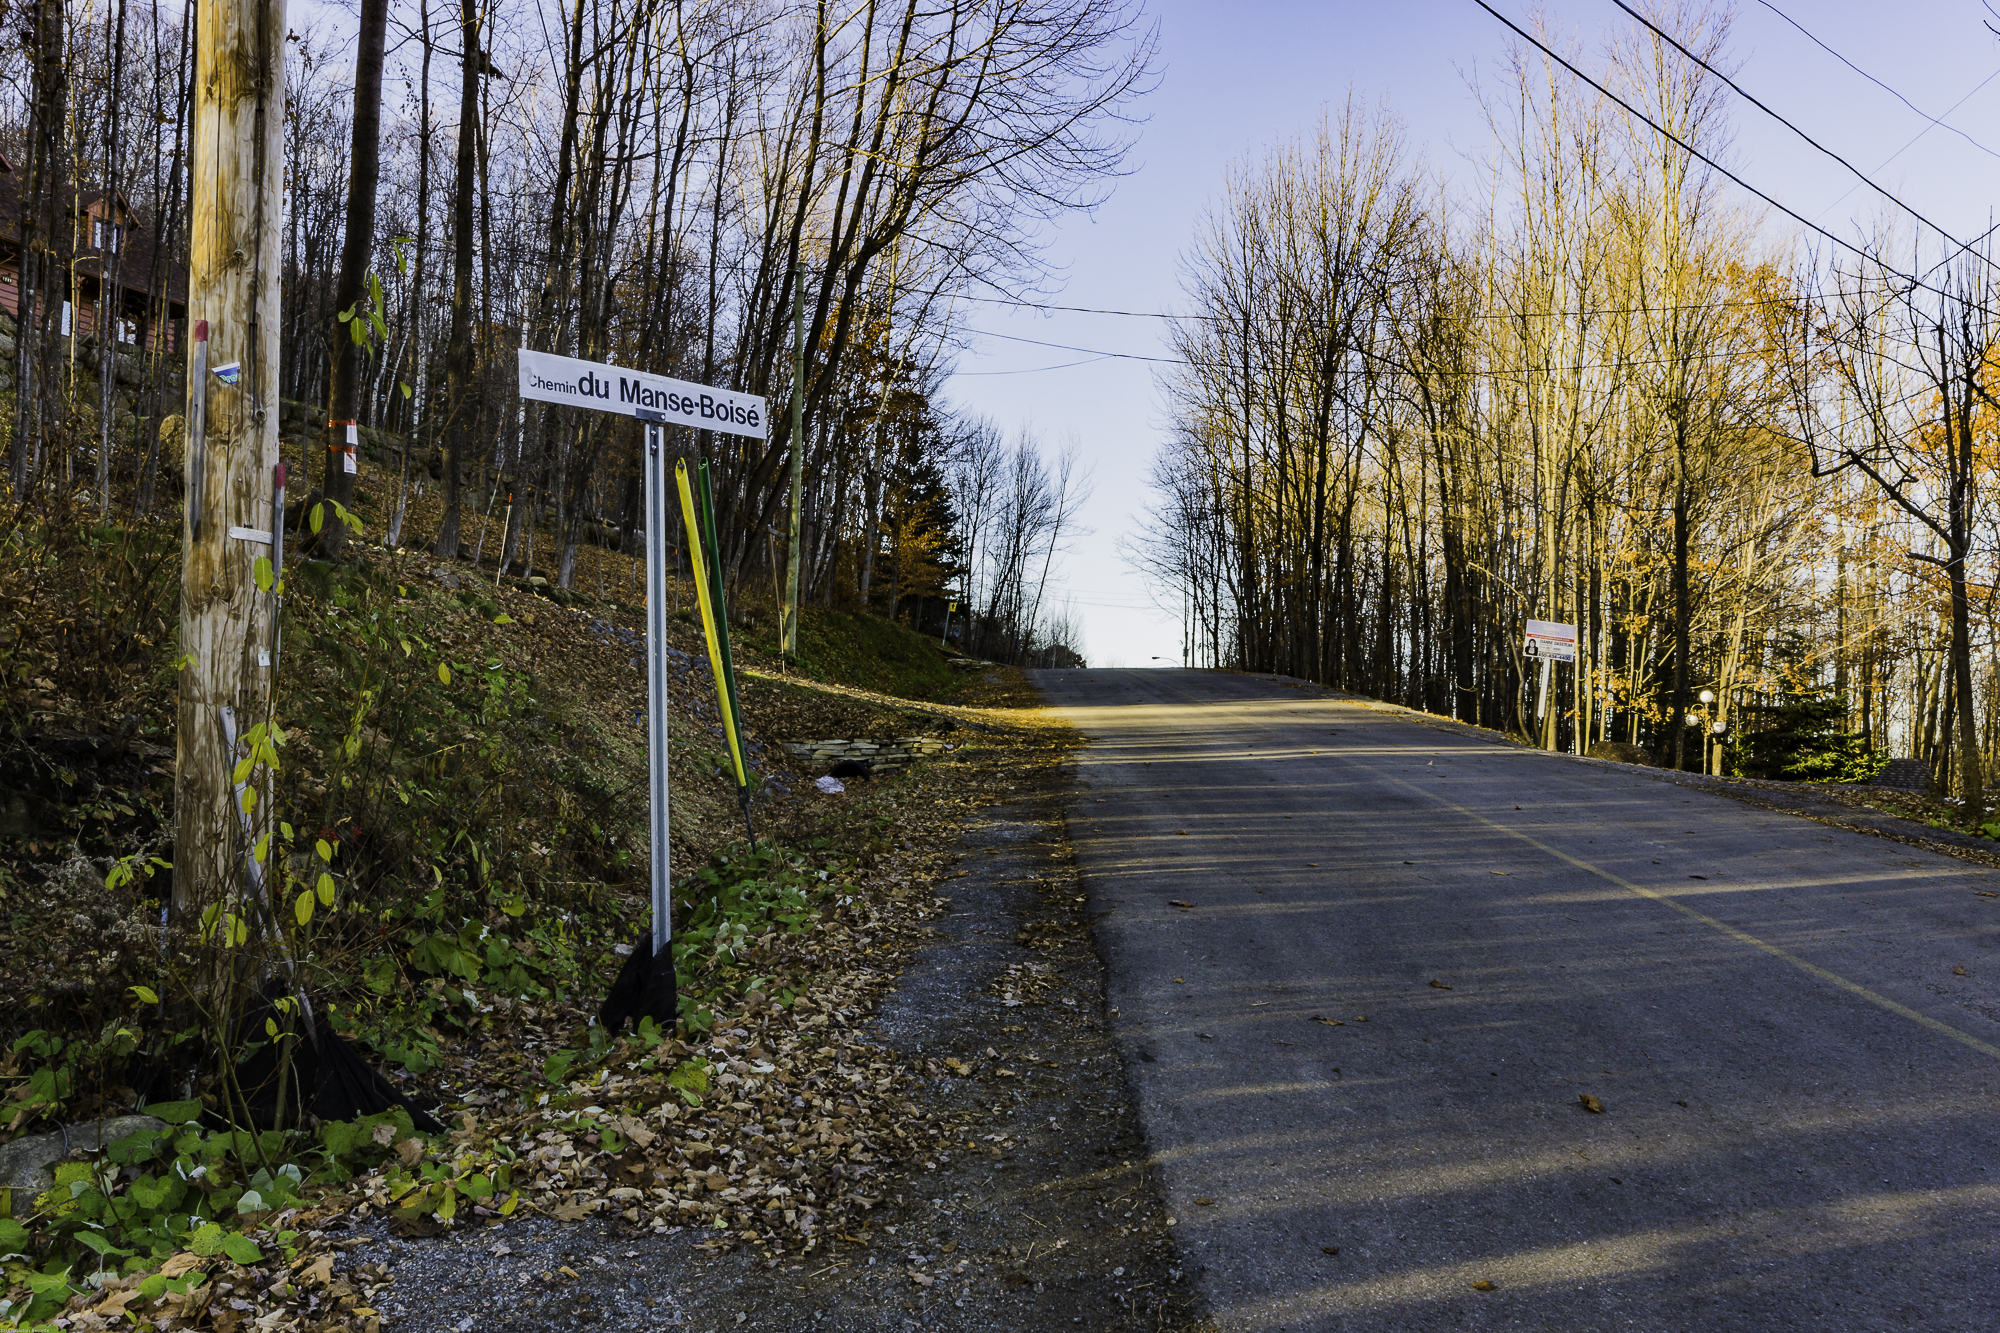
<point>1797,1080</point>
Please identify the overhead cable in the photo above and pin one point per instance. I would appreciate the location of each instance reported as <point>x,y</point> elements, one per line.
<point>1391,362</point>
<point>1708,161</point>
<point>1934,120</point>
<point>1581,313</point>
<point>1739,90</point>
<point>1479,314</point>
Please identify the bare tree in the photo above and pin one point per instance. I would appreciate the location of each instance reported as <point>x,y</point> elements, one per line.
<point>356,323</point>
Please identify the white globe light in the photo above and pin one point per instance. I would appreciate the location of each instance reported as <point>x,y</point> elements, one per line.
<point>1707,696</point>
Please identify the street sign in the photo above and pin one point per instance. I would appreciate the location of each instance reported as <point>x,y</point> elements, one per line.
<point>659,402</point>
<point>1550,641</point>
<point>549,378</point>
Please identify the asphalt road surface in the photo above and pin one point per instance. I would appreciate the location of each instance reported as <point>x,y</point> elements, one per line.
<point>1793,1031</point>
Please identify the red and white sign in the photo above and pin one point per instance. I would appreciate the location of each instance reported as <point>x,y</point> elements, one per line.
<point>1550,641</point>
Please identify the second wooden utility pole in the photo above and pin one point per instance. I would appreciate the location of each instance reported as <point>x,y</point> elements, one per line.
<point>788,615</point>
<point>237,172</point>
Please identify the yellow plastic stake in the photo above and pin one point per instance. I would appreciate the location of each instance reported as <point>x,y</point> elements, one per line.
<point>699,562</point>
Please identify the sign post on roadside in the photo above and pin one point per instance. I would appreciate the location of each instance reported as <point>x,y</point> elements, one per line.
<point>1548,641</point>
<point>659,402</point>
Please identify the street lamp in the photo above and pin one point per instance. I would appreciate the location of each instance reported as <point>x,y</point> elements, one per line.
<point>1716,733</point>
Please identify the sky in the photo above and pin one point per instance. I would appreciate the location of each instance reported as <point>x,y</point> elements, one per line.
<point>1238,77</point>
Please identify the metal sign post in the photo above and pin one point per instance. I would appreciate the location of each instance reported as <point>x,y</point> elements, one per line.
<point>656,678</point>
<point>657,401</point>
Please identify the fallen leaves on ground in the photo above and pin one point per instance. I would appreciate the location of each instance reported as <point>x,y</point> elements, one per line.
<point>805,1127</point>
<point>1590,1104</point>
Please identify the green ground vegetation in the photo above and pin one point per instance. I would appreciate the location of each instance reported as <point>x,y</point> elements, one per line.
<point>458,775</point>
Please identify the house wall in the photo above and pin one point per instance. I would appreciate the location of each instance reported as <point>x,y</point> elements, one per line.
<point>146,333</point>
<point>91,228</point>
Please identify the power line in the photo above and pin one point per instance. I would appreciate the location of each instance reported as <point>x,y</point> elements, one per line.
<point>1035,370</point>
<point>1705,159</point>
<point>1934,120</point>
<point>1389,361</point>
<point>1065,347</point>
<point>1098,355</point>
<point>1738,88</point>
<point>1480,314</point>
<point>1590,312</point>
<point>1393,364</point>
<point>1912,139</point>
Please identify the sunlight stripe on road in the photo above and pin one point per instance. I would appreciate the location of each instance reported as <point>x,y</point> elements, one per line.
<point>1766,1233</point>
<point>1853,988</point>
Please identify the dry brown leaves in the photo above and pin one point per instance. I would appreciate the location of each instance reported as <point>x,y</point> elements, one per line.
<point>806,1126</point>
<point>309,1294</point>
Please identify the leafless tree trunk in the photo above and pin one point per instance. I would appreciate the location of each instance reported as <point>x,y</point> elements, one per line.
<point>461,411</point>
<point>351,295</point>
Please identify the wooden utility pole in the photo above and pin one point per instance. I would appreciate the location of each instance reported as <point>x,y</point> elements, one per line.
<point>788,614</point>
<point>225,622</point>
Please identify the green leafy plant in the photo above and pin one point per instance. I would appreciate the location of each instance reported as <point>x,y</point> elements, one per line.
<point>723,906</point>
<point>368,325</point>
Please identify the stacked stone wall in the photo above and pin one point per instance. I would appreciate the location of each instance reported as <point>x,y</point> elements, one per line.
<point>880,755</point>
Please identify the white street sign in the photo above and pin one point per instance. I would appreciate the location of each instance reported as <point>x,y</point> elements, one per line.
<point>659,402</point>
<point>1550,641</point>
<point>564,379</point>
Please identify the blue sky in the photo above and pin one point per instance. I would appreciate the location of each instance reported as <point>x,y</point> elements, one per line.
<point>1237,77</point>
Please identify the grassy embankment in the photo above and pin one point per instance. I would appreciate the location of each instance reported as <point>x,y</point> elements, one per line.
<point>462,788</point>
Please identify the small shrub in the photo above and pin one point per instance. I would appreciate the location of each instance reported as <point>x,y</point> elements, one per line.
<point>1799,739</point>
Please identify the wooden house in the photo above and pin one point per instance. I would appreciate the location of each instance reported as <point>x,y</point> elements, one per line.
<point>98,238</point>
